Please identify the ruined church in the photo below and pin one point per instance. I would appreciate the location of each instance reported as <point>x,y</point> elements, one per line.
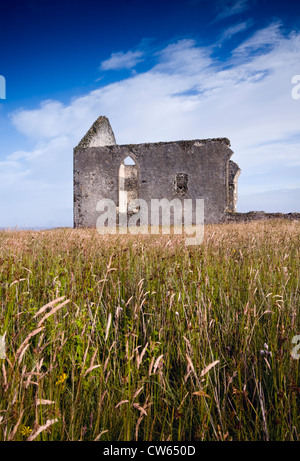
<point>196,169</point>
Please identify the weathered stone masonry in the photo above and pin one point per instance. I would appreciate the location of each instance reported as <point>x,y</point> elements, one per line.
<point>196,169</point>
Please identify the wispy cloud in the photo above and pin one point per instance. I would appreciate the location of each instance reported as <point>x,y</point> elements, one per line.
<point>122,60</point>
<point>183,56</point>
<point>267,37</point>
<point>233,30</point>
<point>231,7</point>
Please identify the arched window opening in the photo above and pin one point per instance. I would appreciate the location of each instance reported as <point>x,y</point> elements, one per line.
<point>128,161</point>
<point>128,183</point>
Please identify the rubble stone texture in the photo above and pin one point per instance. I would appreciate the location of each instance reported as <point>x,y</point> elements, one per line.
<point>196,169</point>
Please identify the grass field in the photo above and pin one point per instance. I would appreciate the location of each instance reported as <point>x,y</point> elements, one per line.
<point>143,338</point>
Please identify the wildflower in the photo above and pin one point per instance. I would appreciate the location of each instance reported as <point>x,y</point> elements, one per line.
<point>265,351</point>
<point>25,431</point>
<point>62,378</point>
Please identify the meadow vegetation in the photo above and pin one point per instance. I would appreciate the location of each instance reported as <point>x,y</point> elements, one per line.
<point>123,337</point>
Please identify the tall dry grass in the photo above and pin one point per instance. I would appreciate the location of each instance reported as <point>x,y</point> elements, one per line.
<point>143,338</point>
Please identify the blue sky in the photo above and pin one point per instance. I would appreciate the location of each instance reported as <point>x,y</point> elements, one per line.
<point>160,71</point>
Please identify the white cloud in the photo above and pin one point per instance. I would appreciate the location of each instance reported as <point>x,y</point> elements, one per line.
<point>122,60</point>
<point>270,36</point>
<point>183,57</point>
<point>188,94</point>
<point>233,30</point>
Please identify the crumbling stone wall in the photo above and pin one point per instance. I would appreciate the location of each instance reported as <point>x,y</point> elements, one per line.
<point>196,169</point>
<point>100,134</point>
<point>233,175</point>
<point>259,215</point>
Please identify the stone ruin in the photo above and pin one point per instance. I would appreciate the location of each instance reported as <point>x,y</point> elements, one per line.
<point>196,169</point>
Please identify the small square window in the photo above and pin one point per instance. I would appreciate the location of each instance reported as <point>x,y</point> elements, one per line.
<point>181,183</point>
